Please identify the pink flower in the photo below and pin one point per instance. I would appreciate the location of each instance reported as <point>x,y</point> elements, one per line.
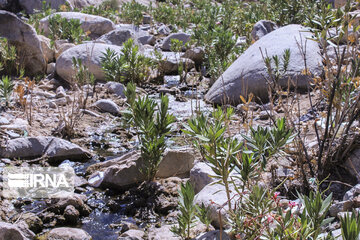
<point>270,219</point>
<point>292,204</point>
<point>218,23</point>
<point>276,194</point>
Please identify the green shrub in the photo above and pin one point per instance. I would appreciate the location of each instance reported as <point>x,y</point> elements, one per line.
<point>6,89</point>
<point>132,12</point>
<point>62,28</point>
<point>108,9</point>
<point>152,122</point>
<point>129,66</point>
<point>9,63</point>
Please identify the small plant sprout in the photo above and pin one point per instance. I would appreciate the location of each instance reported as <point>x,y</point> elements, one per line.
<point>6,89</point>
<point>188,209</point>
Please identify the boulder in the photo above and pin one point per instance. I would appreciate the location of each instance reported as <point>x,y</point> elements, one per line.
<point>96,25</point>
<point>166,45</point>
<point>11,231</point>
<point>170,61</point>
<point>214,197</point>
<point>107,105</point>
<point>62,48</point>
<point>125,31</point>
<point>66,233</point>
<point>262,28</point>
<point>48,51</point>
<point>118,37</point>
<point>115,88</point>
<point>200,176</point>
<point>89,53</point>
<point>55,149</point>
<point>196,54</point>
<point>71,214</point>
<point>248,73</point>
<point>27,43</point>
<point>125,170</point>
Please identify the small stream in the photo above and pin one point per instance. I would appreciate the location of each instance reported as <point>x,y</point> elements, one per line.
<point>104,222</point>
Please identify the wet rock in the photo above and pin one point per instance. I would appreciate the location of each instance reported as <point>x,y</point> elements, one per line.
<point>75,200</point>
<point>125,170</point>
<point>183,37</point>
<point>71,214</point>
<point>214,235</point>
<point>172,81</point>
<point>12,231</point>
<point>24,38</point>
<point>200,176</point>
<point>132,234</point>
<point>115,88</point>
<point>162,233</point>
<point>96,25</point>
<point>107,105</point>
<point>248,73</point>
<point>64,64</point>
<point>55,149</point>
<point>34,222</point>
<point>262,28</point>
<point>66,233</point>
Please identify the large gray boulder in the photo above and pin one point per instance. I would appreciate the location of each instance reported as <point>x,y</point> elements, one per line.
<point>125,170</point>
<point>24,38</point>
<point>89,53</point>
<point>248,73</point>
<point>93,24</point>
<point>56,149</point>
<point>66,233</point>
<point>124,32</point>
